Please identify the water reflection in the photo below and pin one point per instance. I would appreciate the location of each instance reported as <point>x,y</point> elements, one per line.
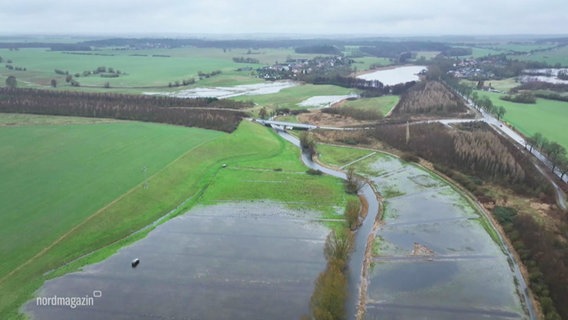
<point>435,260</point>
<point>229,261</point>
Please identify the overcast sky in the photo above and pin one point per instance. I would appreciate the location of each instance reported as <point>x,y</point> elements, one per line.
<point>372,17</point>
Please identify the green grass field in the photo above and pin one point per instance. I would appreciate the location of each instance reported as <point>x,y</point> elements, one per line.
<point>383,104</point>
<point>142,68</point>
<point>494,49</point>
<point>63,173</point>
<point>548,117</point>
<point>365,63</point>
<point>90,177</point>
<point>426,55</point>
<point>141,71</point>
<point>340,156</point>
<point>551,57</point>
<point>282,178</point>
<point>503,85</point>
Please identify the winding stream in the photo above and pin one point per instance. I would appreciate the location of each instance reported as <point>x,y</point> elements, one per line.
<point>357,259</point>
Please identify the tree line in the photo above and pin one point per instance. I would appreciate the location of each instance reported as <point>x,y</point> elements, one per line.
<point>472,155</point>
<point>544,256</point>
<point>355,113</point>
<point>474,149</point>
<point>555,152</point>
<point>245,60</point>
<point>168,110</point>
<point>546,90</point>
<point>484,103</point>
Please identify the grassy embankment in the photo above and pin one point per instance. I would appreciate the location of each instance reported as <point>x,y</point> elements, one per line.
<point>548,117</point>
<point>91,223</point>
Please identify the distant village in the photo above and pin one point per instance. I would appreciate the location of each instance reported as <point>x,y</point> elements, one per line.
<point>473,69</point>
<point>296,68</point>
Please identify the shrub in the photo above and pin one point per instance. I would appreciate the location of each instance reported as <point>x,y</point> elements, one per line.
<point>314,172</point>
<point>409,157</point>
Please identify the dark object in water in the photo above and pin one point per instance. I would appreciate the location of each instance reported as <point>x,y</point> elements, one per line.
<point>135,262</point>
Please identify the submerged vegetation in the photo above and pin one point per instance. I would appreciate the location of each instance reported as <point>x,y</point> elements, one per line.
<point>330,293</point>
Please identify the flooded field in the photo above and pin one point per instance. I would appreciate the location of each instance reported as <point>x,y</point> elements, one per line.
<point>253,260</point>
<point>324,101</point>
<point>392,76</point>
<point>433,259</point>
<point>229,92</point>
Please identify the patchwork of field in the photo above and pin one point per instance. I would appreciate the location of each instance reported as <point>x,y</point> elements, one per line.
<point>551,57</point>
<point>140,69</point>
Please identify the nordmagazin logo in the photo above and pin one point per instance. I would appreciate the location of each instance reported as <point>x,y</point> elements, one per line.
<point>71,302</point>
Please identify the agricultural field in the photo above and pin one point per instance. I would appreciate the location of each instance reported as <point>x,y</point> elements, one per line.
<point>339,155</point>
<point>551,57</point>
<point>383,104</point>
<point>503,85</point>
<point>365,63</point>
<point>519,47</point>
<point>64,170</point>
<point>426,55</point>
<point>482,50</point>
<point>140,69</point>
<point>109,188</point>
<point>548,117</point>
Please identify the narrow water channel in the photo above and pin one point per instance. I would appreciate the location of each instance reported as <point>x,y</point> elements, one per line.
<point>357,259</point>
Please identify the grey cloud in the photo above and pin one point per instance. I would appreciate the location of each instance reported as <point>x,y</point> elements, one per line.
<point>291,16</point>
